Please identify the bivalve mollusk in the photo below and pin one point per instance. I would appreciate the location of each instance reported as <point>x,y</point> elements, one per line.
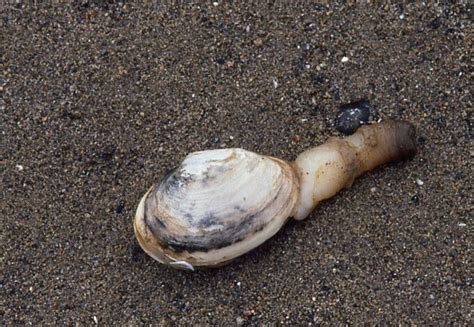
<point>220,204</point>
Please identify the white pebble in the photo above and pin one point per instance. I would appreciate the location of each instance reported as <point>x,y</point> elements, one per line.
<point>344,59</point>
<point>402,16</point>
<point>95,320</point>
<point>462,225</point>
<point>19,167</point>
<point>419,182</point>
<point>373,189</point>
<point>275,83</point>
<point>238,283</point>
<point>231,137</point>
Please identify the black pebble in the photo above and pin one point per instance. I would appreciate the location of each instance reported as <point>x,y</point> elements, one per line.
<point>120,208</point>
<point>415,199</point>
<point>352,115</point>
<point>435,23</point>
<point>106,155</point>
<point>453,253</point>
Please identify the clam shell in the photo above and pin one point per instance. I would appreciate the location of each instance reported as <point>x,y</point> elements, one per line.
<point>216,206</point>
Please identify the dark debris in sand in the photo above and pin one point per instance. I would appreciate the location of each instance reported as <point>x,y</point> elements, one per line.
<point>100,99</point>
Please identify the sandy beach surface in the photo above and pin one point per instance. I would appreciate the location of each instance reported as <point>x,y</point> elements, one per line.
<point>100,99</point>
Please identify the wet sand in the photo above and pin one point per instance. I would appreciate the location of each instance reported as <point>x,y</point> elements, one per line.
<point>100,100</point>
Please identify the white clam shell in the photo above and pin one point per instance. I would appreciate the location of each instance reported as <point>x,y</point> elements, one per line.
<point>216,206</point>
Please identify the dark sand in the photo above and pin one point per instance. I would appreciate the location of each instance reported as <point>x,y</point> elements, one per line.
<point>100,100</point>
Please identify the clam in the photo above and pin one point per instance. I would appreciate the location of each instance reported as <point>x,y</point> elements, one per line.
<point>220,204</point>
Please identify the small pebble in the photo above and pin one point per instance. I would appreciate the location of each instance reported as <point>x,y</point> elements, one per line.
<point>19,167</point>
<point>453,253</point>
<point>419,182</point>
<point>258,42</point>
<point>352,115</point>
<point>344,59</point>
<point>296,138</point>
<point>462,225</point>
<point>435,23</point>
<point>120,208</point>
<point>275,83</point>
<point>305,47</point>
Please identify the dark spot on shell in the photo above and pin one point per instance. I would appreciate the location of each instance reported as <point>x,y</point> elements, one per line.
<point>239,209</point>
<point>174,180</point>
<point>152,223</point>
<point>208,221</point>
<point>179,246</point>
<point>353,115</point>
<point>195,245</point>
<point>160,222</point>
